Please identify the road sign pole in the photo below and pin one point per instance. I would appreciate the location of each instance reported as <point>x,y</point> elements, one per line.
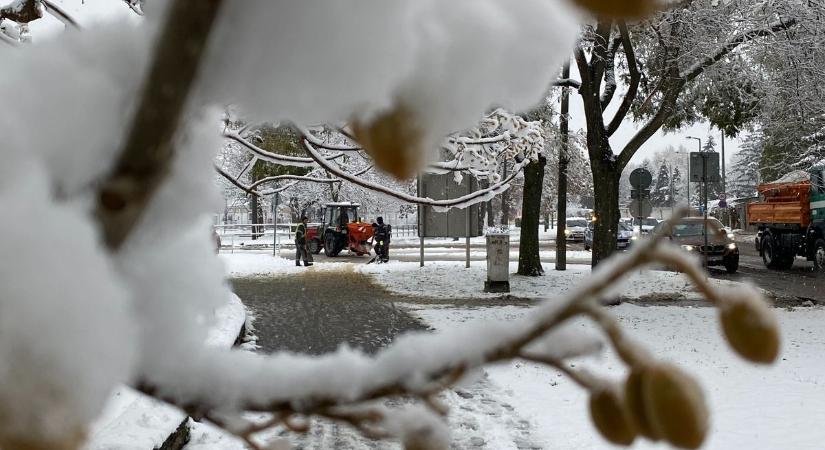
<point>705,207</point>
<point>276,250</point>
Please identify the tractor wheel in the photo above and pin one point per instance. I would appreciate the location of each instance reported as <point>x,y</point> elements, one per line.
<point>329,246</point>
<point>314,246</point>
<point>819,256</point>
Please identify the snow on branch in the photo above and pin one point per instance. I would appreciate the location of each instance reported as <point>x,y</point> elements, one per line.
<point>59,13</point>
<point>275,158</point>
<point>438,205</point>
<point>478,151</point>
<point>697,68</point>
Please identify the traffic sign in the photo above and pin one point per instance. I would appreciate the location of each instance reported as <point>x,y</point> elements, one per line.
<point>704,167</point>
<point>635,193</point>
<point>640,209</point>
<point>641,178</point>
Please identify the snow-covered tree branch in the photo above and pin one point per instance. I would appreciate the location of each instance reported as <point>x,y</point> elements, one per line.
<point>122,183</point>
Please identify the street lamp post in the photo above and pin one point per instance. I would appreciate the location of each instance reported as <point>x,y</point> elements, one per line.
<point>690,210</point>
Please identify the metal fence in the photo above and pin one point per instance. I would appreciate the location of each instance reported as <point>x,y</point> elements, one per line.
<point>255,236</point>
<point>404,230</point>
<point>260,236</point>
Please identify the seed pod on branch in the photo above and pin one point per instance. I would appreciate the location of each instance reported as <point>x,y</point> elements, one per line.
<point>394,140</point>
<point>751,328</point>
<point>635,403</point>
<point>675,405</point>
<point>610,416</point>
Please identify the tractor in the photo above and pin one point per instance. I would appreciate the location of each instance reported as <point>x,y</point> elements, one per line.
<point>341,228</point>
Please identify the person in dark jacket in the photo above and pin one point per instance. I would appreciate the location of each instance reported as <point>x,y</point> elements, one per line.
<point>301,250</point>
<point>381,234</point>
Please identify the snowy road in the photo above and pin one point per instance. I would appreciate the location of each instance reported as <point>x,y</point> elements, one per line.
<point>799,283</point>
<point>314,311</point>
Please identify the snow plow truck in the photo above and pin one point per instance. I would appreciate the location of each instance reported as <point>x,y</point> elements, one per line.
<point>341,229</point>
<point>790,219</point>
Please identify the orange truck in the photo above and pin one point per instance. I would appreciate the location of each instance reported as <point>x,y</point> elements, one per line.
<point>790,217</point>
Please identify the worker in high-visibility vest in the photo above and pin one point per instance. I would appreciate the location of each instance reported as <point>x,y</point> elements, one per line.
<point>301,251</point>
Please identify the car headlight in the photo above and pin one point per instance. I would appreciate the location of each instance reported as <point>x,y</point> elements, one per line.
<point>730,236</point>
<point>688,248</point>
<point>567,232</point>
<point>633,238</point>
<point>731,246</point>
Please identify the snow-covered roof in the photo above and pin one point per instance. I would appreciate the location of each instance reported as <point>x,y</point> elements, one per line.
<point>797,176</point>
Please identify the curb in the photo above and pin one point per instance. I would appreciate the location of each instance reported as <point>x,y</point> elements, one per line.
<point>135,421</point>
<point>180,437</point>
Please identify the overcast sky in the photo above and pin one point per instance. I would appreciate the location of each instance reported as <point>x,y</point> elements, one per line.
<point>659,141</point>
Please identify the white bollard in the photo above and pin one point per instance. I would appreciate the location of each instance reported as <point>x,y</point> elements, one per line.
<point>498,263</point>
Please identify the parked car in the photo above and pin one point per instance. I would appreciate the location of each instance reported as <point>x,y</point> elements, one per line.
<point>645,225</point>
<point>624,236</point>
<point>688,233</point>
<point>574,229</point>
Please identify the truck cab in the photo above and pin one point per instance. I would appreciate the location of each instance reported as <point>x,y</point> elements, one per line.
<point>791,219</point>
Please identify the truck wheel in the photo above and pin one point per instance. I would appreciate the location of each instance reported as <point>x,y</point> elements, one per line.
<point>819,255</point>
<point>771,255</point>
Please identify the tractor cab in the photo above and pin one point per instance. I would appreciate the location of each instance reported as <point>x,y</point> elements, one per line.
<point>338,215</point>
<point>341,229</point>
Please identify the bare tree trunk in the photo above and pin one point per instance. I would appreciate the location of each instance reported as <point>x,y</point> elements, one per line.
<point>254,216</point>
<point>606,184</point>
<point>561,217</point>
<point>529,260</point>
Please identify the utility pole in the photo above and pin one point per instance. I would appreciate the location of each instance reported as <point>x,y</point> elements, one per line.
<point>561,220</point>
<point>670,177</point>
<point>724,190</point>
<point>690,210</point>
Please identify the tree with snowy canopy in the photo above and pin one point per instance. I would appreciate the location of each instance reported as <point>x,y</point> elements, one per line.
<point>669,64</point>
<point>661,188</point>
<point>131,257</point>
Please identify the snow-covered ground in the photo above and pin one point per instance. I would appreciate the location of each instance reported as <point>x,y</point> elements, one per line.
<point>452,280</point>
<point>133,421</point>
<point>756,408</point>
<point>525,405</point>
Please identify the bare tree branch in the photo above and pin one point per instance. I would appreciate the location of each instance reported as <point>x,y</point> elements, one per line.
<point>145,159</point>
<point>635,77</point>
<point>235,182</point>
<point>696,69</point>
<point>276,178</point>
<point>135,5</point>
<point>457,202</point>
<point>610,74</point>
<point>60,14</point>
<point>276,158</point>
<point>567,82</point>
